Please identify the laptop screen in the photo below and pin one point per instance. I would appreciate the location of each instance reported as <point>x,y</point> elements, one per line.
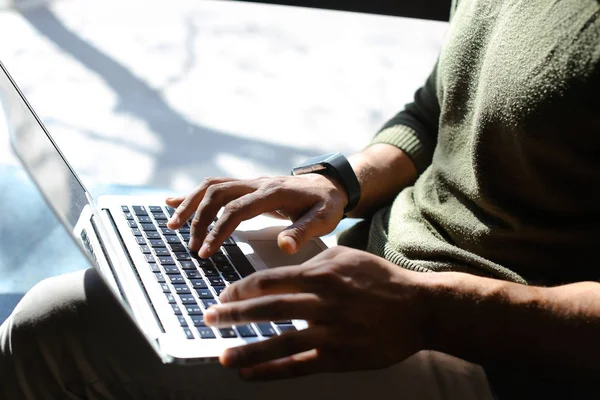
<point>33,145</point>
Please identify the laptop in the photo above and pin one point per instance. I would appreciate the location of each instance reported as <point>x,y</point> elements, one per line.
<point>161,286</point>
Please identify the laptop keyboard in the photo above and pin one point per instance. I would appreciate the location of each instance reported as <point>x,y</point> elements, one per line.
<point>192,284</point>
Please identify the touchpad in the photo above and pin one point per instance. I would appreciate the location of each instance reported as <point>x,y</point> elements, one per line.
<point>272,256</point>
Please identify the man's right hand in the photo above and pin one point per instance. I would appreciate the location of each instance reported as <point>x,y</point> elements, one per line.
<point>314,203</point>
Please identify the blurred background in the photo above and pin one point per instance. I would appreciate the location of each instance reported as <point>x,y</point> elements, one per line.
<point>152,96</point>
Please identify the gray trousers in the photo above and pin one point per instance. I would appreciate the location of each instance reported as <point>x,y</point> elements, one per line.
<point>69,339</point>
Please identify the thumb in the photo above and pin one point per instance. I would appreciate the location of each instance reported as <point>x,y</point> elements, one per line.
<point>315,222</point>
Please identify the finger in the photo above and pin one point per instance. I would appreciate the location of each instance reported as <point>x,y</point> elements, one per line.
<point>174,201</point>
<point>281,280</point>
<point>317,221</point>
<point>267,308</point>
<point>236,211</point>
<point>188,206</point>
<point>306,363</point>
<point>274,348</point>
<point>214,198</point>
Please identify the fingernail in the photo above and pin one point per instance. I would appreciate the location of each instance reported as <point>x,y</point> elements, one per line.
<point>291,243</point>
<point>204,250</point>
<point>223,296</point>
<point>210,316</point>
<point>174,219</point>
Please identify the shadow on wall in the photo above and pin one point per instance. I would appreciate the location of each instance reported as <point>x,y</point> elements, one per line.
<point>186,146</point>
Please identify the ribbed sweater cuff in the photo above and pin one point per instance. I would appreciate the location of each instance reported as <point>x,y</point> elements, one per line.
<point>407,140</point>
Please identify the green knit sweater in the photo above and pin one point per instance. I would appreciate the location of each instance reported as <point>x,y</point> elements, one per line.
<point>506,137</point>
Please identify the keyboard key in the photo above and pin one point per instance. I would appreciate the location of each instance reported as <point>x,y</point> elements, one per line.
<point>197,320</point>
<point>220,259</point>
<point>139,210</point>
<point>182,289</point>
<point>218,289</point>
<point>159,277</point>
<point>184,229</point>
<point>171,269</point>
<point>203,262</point>
<point>166,260</point>
<point>170,298</point>
<point>165,288</point>
<point>149,258</point>
<point>187,299</point>
<point>231,276</point>
<point>286,321</point>
<point>148,227</point>
<point>209,302</point>
<point>173,240</point>
<point>136,232</point>
<point>145,249</point>
<point>128,216</point>
<point>167,231</point>
<point>161,224</point>
<point>246,331</point>
<point>193,274</point>
<point>176,309</point>
<point>287,328</point>
<point>210,272</point>
<point>188,333</point>
<point>225,268</point>
<point>198,283</point>
<point>156,243</point>
<point>193,309</point>
<point>159,216</point>
<point>240,261</point>
<point>182,256</point>
<point>205,294</point>
<point>161,251</point>
<point>206,333</point>
<point>170,210</point>
<point>145,219</point>
<point>182,321</point>
<point>185,237</point>
<point>177,247</point>
<point>187,265</point>
<point>227,333</point>
<point>216,281</point>
<point>125,208</point>
<point>132,224</point>
<point>154,267</point>
<point>140,240</point>
<point>152,235</point>
<point>176,279</point>
<point>266,329</point>
<point>155,208</point>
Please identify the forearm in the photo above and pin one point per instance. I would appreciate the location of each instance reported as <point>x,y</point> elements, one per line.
<point>545,332</point>
<point>383,171</point>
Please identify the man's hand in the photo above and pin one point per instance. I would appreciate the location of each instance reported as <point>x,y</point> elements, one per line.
<point>363,313</point>
<point>314,203</point>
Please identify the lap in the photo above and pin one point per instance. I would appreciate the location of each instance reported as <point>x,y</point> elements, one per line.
<point>69,338</point>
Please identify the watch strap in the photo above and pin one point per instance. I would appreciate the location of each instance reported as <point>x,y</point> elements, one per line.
<point>338,167</point>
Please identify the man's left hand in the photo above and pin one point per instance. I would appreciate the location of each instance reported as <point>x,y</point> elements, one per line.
<point>363,313</point>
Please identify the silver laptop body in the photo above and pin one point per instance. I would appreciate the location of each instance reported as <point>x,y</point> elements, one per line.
<point>162,287</point>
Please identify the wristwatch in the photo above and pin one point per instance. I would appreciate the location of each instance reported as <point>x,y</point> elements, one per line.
<point>336,166</point>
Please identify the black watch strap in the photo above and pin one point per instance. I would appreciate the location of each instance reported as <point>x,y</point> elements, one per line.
<point>338,167</point>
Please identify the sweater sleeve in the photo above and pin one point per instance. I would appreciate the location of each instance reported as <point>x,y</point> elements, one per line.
<point>414,130</point>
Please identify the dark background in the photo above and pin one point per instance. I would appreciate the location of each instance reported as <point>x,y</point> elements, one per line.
<point>425,9</point>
